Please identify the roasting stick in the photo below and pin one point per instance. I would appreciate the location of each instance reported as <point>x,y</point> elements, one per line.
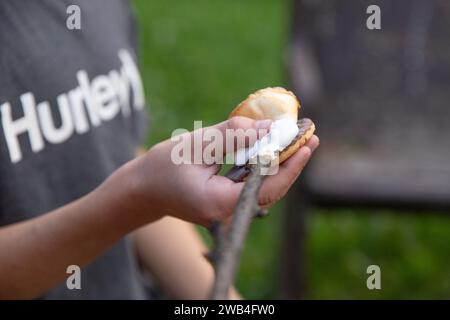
<point>228,243</point>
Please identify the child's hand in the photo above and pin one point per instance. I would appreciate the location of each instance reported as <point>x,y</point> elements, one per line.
<point>194,192</point>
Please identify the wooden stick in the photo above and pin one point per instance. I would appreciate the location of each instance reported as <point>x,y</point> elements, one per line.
<point>228,243</point>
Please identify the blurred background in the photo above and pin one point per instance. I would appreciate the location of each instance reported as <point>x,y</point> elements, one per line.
<point>200,58</point>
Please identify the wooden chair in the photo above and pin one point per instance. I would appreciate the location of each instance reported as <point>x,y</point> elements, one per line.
<point>380,101</point>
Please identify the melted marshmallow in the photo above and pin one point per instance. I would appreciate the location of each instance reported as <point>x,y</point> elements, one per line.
<point>280,135</point>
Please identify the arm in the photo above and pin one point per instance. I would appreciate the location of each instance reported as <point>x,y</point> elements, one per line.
<point>34,254</point>
<point>172,251</point>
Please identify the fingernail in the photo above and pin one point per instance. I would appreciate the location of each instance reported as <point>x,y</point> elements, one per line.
<point>263,124</point>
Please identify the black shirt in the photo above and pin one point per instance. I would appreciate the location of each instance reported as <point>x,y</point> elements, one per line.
<point>72,112</point>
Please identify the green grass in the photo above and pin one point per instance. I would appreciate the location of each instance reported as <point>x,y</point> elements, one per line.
<point>413,251</point>
<point>201,57</point>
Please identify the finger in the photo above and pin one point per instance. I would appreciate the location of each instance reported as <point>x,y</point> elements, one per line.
<point>228,136</point>
<point>239,132</point>
<point>275,187</point>
<point>313,143</point>
<point>208,145</point>
<point>225,194</point>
